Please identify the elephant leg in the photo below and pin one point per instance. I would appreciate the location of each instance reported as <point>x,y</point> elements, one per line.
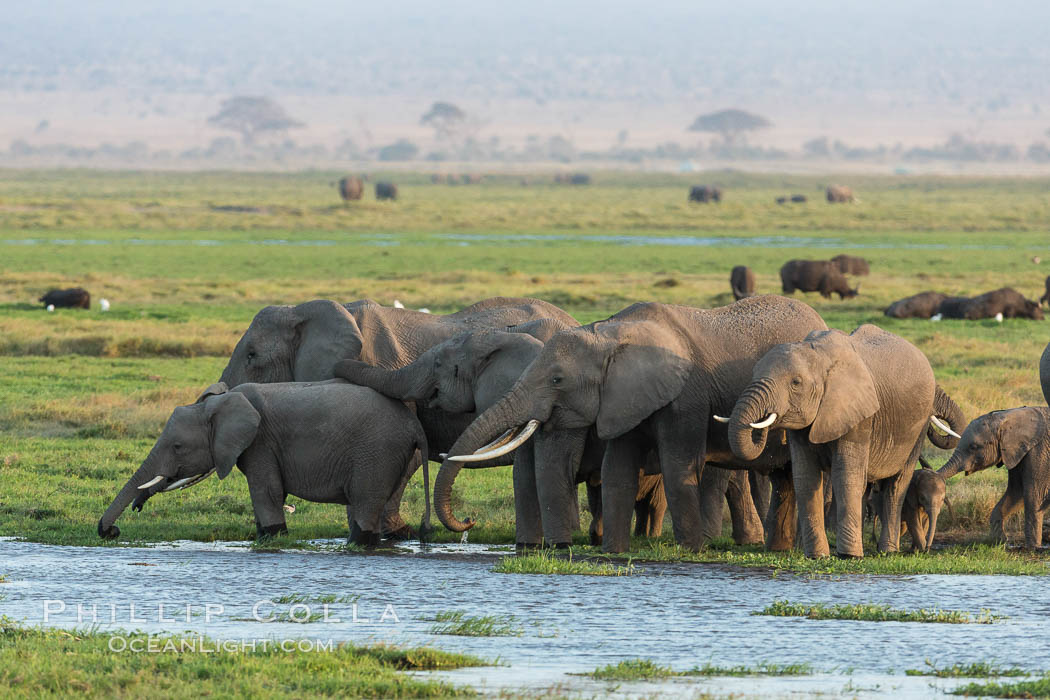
<point>912,522</point>
<point>623,456</point>
<point>558,455</point>
<point>781,516</point>
<point>528,530</point>
<point>831,516</point>
<point>808,478</point>
<point>657,508</point>
<point>747,526</point>
<point>760,492</point>
<point>394,526</point>
<point>894,489</point>
<point>681,451</point>
<point>641,512</point>
<point>849,469</point>
<point>594,505</point>
<point>1012,500</point>
<point>714,485</point>
<point>267,493</point>
<point>1033,514</point>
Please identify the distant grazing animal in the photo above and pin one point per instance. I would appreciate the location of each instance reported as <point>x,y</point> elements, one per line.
<point>851,265</point>
<point>1046,294</point>
<point>351,188</point>
<point>839,193</point>
<point>73,298</point>
<point>704,194</point>
<point>572,179</point>
<point>1006,301</point>
<point>782,200</point>
<point>386,190</point>
<point>799,198</point>
<point>742,280</point>
<point>922,305</point>
<point>815,276</point>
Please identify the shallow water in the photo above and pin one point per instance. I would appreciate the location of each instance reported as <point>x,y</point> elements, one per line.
<point>679,615</point>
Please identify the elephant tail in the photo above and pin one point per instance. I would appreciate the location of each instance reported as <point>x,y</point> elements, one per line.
<point>948,411</point>
<point>424,453</point>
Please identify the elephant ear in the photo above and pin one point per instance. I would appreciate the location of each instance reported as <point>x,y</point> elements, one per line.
<point>324,333</point>
<point>849,395</point>
<point>642,376</point>
<point>234,423</point>
<point>500,359</point>
<point>1018,432</point>
<point>214,390</point>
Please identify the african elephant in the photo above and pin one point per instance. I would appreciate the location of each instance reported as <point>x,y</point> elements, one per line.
<point>73,298</point>
<point>386,190</point>
<point>851,265</point>
<point>922,305</point>
<point>351,188</point>
<point>1046,294</point>
<point>302,343</point>
<point>815,276</point>
<point>317,441</point>
<point>1019,439</point>
<point>742,281</point>
<point>704,194</point>
<point>1044,373</point>
<point>472,371</point>
<point>839,194</point>
<point>855,406</point>
<point>649,377</point>
<point>1006,301</point>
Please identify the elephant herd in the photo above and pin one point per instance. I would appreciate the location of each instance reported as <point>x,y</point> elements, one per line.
<point>825,276</point>
<point>656,408</point>
<point>999,304</point>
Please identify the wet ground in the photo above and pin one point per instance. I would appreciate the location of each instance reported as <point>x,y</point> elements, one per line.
<point>677,615</point>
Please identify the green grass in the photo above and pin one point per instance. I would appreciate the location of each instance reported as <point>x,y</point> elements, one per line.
<point>84,394</point>
<point>647,670</point>
<point>979,669</point>
<point>549,563</point>
<point>329,598</point>
<point>458,624</point>
<point>36,662</point>
<point>1039,688</point>
<point>871,612</point>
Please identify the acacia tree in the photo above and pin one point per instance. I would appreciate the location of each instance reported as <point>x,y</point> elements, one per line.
<point>451,124</point>
<point>729,123</point>
<point>250,116</point>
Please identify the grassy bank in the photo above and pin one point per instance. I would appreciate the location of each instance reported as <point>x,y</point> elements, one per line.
<point>871,612</point>
<point>647,670</point>
<point>37,662</point>
<point>188,259</point>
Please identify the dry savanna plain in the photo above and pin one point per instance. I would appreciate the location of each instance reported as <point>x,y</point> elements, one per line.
<point>186,260</point>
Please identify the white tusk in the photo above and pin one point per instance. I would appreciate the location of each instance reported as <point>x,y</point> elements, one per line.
<point>943,426</point>
<point>501,440</point>
<point>524,435</point>
<point>720,419</point>
<point>155,480</point>
<point>442,456</point>
<point>766,423</point>
<point>289,508</point>
<point>179,483</point>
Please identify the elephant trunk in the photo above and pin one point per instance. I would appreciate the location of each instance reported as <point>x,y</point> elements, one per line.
<point>933,513</point>
<point>131,492</point>
<point>948,411</point>
<point>409,383</point>
<point>953,466</point>
<point>512,411</point>
<point>753,406</point>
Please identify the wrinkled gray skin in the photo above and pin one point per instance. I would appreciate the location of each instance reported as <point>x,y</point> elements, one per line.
<point>922,305</point>
<point>742,281</point>
<point>815,276</point>
<point>327,442</point>
<point>301,343</point>
<point>921,508</point>
<point>1045,299</point>
<point>649,377</point>
<point>469,373</point>
<point>856,408</point>
<point>1044,373</point>
<point>1019,439</point>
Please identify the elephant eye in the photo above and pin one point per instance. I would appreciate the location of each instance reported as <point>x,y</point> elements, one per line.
<point>437,364</point>
<point>455,371</point>
<point>251,355</point>
<point>796,381</point>
<point>556,381</point>
<point>177,447</point>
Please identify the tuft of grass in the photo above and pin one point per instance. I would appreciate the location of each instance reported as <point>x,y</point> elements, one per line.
<point>1039,688</point>
<point>765,669</point>
<point>459,624</point>
<point>548,563</point>
<point>646,669</point>
<point>632,670</point>
<point>37,662</point>
<point>293,598</point>
<point>872,612</point>
<point>979,669</point>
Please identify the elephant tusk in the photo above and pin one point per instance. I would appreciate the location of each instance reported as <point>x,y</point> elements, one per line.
<point>152,482</point>
<point>189,481</point>
<point>944,426</point>
<point>501,440</point>
<point>179,483</point>
<point>766,423</point>
<point>720,419</point>
<point>524,435</point>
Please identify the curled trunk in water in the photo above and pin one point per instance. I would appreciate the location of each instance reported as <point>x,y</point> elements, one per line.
<point>948,411</point>
<point>130,493</point>
<point>509,412</point>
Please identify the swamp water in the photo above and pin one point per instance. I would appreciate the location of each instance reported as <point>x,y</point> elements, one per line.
<point>678,615</point>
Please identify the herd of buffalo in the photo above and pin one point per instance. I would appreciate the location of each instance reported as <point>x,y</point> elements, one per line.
<point>656,408</point>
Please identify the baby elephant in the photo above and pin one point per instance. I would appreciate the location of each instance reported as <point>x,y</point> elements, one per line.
<point>742,281</point>
<point>1018,439</point>
<point>922,505</point>
<point>327,442</point>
